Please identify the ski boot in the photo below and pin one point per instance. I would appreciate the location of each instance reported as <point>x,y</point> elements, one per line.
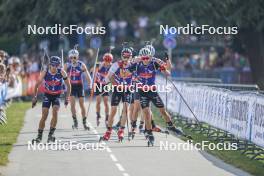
<point>106,136</point>
<point>37,140</point>
<point>75,123</point>
<point>51,138</point>
<point>141,130</point>
<point>98,116</point>
<point>39,137</point>
<point>133,130</point>
<point>150,138</point>
<point>120,134</point>
<point>85,125</point>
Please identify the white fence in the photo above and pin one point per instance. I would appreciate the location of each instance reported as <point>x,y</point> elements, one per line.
<point>241,114</point>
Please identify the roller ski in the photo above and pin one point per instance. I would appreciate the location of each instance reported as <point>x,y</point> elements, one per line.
<point>120,135</point>
<point>75,123</point>
<point>106,136</point>
<point>150,138</point>
<point>51,138</point>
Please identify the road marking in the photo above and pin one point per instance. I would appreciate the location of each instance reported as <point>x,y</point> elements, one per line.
<point>113,157</point>
<point>108,150</point>
<point>120,167</point>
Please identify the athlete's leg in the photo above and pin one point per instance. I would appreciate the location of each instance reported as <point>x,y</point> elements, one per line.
<point>83,112</point>
<point>45,113</point>
<point>106,106</point>
<point>98,102</point>
<point>73,109</point>
<point>81,103</point>
<point>111,116</point>
<point>54,119</point>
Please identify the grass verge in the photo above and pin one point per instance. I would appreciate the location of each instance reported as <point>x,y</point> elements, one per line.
<point>235,158</point>
<point>8,133</point>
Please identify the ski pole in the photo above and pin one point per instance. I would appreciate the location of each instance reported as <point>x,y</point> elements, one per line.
<point>91,96</point>
<point>185,102</point>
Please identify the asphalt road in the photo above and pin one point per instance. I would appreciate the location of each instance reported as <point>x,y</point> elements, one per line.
<point>132,158</point>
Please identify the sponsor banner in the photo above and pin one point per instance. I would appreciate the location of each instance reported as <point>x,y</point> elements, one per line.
<point>241,114</point>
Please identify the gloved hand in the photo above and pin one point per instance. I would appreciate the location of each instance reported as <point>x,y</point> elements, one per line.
<point>34,101</point>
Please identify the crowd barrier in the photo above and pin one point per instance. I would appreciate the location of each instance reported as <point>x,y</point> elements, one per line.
<point>239,113</point>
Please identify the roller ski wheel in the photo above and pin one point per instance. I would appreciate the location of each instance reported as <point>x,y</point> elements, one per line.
<point>51,139</point>
<point>36,141</point>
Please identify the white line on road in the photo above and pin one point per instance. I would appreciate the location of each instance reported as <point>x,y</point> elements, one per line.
<point>113,157</point>
<point>108,150</point>
<point>120,167</point>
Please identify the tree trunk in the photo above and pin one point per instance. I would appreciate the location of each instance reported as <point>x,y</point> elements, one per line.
<point>254,43</point>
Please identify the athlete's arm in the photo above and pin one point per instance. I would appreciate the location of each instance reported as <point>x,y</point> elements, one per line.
<point>65,67</point>
<point>39,81</point>
<point>168,61</point>
<point>67,82</point>
<point>111,72</point>
<point>162,67</point>
<point>87,74</point>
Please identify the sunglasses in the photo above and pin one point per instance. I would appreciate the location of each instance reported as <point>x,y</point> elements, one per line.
<point>145,58</point>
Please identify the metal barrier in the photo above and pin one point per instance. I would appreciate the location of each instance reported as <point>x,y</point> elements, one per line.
<point>237,114</point>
